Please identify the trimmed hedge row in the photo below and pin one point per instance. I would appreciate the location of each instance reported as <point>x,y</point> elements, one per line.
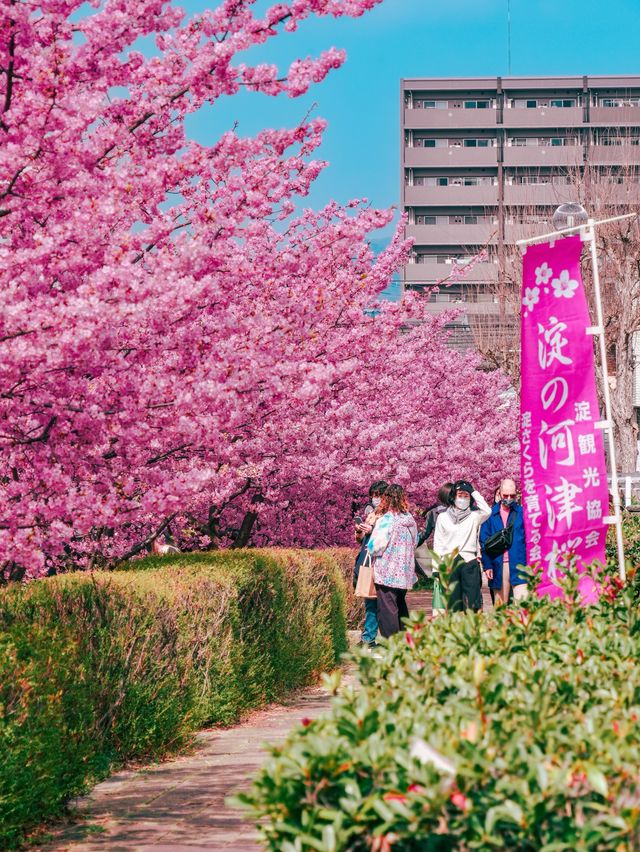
<point>517,729</point>
<point>99,668</point>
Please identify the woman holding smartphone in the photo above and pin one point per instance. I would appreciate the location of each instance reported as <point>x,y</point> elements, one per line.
<point>364,525</point>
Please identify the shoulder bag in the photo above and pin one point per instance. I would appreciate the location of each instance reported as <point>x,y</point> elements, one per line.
<point>500,542</point>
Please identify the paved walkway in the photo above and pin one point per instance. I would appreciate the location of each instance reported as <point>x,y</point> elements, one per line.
<point>180,804</point>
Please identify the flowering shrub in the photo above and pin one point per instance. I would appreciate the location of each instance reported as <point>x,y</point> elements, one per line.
<point>95,669</point>
<point>516,729</point>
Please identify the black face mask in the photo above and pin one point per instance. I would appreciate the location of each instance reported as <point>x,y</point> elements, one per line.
<point>508,502</point>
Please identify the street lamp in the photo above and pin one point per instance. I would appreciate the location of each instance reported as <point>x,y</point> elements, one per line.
<point>570,215</point>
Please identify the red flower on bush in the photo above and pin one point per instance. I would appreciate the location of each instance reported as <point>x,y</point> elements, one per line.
<point>611,588</point>
<point>394,796</point>
<point>460,801</point>
<point>305,722</point>
<point>411,642</point>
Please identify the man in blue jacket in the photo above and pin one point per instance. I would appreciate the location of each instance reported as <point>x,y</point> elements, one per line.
<point>502,571</point>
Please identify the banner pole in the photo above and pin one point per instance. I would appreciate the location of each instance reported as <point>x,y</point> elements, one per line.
<point>575,229</point>
<point>591,237</point>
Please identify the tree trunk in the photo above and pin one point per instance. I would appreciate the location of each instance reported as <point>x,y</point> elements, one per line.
<point>246,529</point>
<point>624,417</point>
<point>213,527</point>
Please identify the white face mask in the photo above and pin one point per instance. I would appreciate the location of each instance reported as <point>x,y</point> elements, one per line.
<point>375,502</point>
<point>463,502</point>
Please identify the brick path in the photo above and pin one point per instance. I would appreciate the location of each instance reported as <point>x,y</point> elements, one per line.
<point>180,804</point>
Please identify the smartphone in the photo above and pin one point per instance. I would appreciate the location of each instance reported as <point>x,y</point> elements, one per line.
<point>358,519</point>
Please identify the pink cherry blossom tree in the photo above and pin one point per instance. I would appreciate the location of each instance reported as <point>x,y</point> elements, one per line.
<point>180,347</point>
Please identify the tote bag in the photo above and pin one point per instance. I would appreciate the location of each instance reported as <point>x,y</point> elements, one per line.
<point>424,559</point>
<point>365,587</point>
<point>438,606</point>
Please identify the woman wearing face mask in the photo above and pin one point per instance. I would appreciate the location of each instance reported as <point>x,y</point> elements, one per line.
<point>502,570</point>
<point>364,526</point>
<point>457,534</point>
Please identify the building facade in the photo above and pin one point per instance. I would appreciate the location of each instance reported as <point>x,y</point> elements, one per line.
<point>486,161</point>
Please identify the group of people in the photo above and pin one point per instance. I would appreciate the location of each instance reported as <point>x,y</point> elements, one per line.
<point>480,538</point>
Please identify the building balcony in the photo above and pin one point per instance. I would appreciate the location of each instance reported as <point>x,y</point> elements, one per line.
<point>471,310</point>
<point>451,157</point>
<point>452,235</point>
<point>615,116</point>
<point>426,119</point>
<point>614,155</point>
<point>443,196</point>
<point>432,273</point>
<point>544,155</point>
<point>536,194</point>
<point>543,117</point>
<point>522,231</point>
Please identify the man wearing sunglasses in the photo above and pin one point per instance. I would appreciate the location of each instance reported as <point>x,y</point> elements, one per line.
<point>501,568</point>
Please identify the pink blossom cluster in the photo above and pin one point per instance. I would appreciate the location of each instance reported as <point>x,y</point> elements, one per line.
<point>180,349</point>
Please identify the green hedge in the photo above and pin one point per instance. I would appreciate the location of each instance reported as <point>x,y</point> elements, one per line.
<point>345,559</point>
<point>517,729</point>
<point>96,669</point>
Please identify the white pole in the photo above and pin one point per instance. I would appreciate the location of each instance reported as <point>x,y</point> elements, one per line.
<point>591,237</point>
<point>627,491</point>
<point>573,230</point>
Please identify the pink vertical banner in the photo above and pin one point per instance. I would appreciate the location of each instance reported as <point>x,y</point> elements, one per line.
<point>564,475</point>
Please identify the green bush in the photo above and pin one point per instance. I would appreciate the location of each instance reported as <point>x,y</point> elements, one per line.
<point>517,729</point>
<point>345,559</point>
<point>96,669</point>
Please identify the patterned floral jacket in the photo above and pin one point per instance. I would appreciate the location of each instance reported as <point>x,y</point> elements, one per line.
<point>393,543</point>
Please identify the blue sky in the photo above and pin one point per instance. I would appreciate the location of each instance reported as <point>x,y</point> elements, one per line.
<point>405,38</point>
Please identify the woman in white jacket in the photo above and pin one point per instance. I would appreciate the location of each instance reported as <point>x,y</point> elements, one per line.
<point>456,534</point>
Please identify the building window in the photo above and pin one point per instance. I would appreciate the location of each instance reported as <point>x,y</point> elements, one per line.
<point>531,104</point>
<point>432,143</point>
<point>471,220</point>
<point>426,220</point>
<point>442,181</point>
<point>477,143</point>
<point>607,139</point>
<point>431,104</point>
<point>619,102</point>
<point>563,102</point>
<point>557,141</point>
<point>531,180</point>
<point>476,104</point>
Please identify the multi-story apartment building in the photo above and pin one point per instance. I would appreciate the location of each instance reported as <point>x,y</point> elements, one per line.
<point>487,160</point>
